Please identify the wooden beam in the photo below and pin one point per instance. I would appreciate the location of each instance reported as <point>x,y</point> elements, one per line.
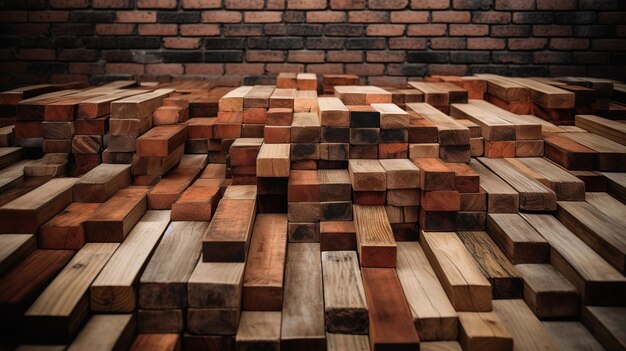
<point>228,235</point>
<point>607,324</point>
<point>547,293</point>
<point>333,113</point>
<point>162,140</point>
<point>259,330</point>
<point>572,336</point>
<point>375,241</point>
<point>215,285</point>
<point>367,175</point>
<point>607,128</point>
<point>156,342</point>
<point>99,184</point>
<point>401,174</point>
<point>273,161</point>
<point>526,330</point>
<point>484,331</point>
<point>14,248</point>
<point>112,221</point>
<point>450,131</point>
<point>517,239</point>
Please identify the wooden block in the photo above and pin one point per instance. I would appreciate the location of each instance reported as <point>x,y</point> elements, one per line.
<point>337,236</point>
<point>483,331</point>
<point>367,175</point>
<point>304,186</point>
<point>450,131</point>
<point>228,236</point>
<point>333,113</point>
<point>547,293</point>
<point>233,100</point>
<point>115,288</point>
<point>401,174</point>
<point>565,185</point>
<point>363,151</point>
<point>240,192</point>
<point>165,193</point>
<point>258,96</point>
<point>434,174</point>
<point>391,116</point>
<point>282,98</point>
<point>303,232</point>
<point>421,130</point>
<point>433,314</point>
<point>500,149</point>
<point>163,284</point>
<point>106,332</point>
<point>101,105</point>
<point>57,146</point>
<point>286,80</point>
<point>606,323</point>
<point>279,116</point>
<point>28,212</point>
<point>259,330</point>
<point>130,127</point>
<point>303,312</point>
<point>60,310</point>
<point>263,280</point>
<point>604,127</point>
<point>9,155</point>
<point>395,150</point>
<point>160,321</point>
<point>572,336</point>
<point>65,230</point>
<point>385,299</point>
<point>596,280</point>
<point>156,342</point>
<point>499,271</point>
<point>517,239</point>
<point>215,285</point>
<point>337,342</point>
<point>99,184</point>
<point>460,275</point>
<point>527,331</point>
<point>161,140</point>
<point>466,180</point>
<point>276,134</point>
<point>200,128</point>
<point>138,105</point>
<point>14,248</point>
<point>305,127</point>
<point>196,203</point>
<point>444,200</point>
<point>492,127</point>
<point>455,153</point>
<point>306,81</point>
<point>305,101</point>
<point>570,154</point>
<point>364,116</point>
<point>170,115</point>
<point>423,151</point>
<point>344,300</point>
<point>599,231</point>
<point>273,161</point>
<point>364,136</point>
<point>529,148</point>
<point>501,197</point>
<point>304,151</point>
<point>112,221</point>
<point>474,201</point>
<point>375,241</point>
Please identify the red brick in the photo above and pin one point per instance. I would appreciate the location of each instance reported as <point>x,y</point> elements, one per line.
<point>244,4</point>
<point>365,69</point>
<point>124,68</point>
<point>262,17</point>
<point>569,44</point>
<point>451,17</point>
<point>114,29</point>
<point>275,5</point>
<point>275,68</point>
<point>527,44</point>
<point>426,30</point>
<point>49,16</point>
<point>609,44</point>
<point>69,4</point>
<point>430,4</point>
<point>245,68</point>
<point>387,4</point>
<point>202,4</point>
<point>136,16</point>
<point>344,56</point>
<point>491,17</point>
<point>556,5</point>
<point>407,43</point>
<point>552,30</point>
<point>265,56</point>
<point>13,16</point>
<point>221,17</point>
<point>447,70</point>
<point>204,68</point>
<point>306,4</point>
<point>164,68</point>
<point>305,56</point>
<point>486,44</point>
<point>181,43</point>
<point>386,56</point>
<point>86,68</point>
<point>199,30</point>
<point>547,57</point>
<point>515,4</point>
<point>243,30</point>
<point>325,17</point>
<point>325,68</point>
<point>469,30</point>
<point>112,4</point>
<point>409,17</point>
<point>347,4</point>
<point>385,30</point>
<point>32,28</point>
<point>156,4</point>
<point>158,29</point>
<point>37,54</point>
<point>447,43</point>
<point>367,17</point>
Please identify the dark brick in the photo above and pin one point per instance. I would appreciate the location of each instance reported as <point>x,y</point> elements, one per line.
<point>579,17</point>
<point>469,57</point>
<point>304,29</point>
<point>108,78</point>
<point>406,69</point>
<point>592,58</point>
<point>178,17</point>
<point>24,4</point>
<point>472,4</point>
<point>428,56</point>
<point>594,31</point>
<point>223,56</point>
<point>92,16</point>
<point>491,17</point>
<point>325,43</point>
<point>101,42</point>
<point>275,29</point>
<point>242,30</point>
<point>34,42</point>
<point>259,80</point>
<point>547,57</point>
<point>495,69</point>
<point>286,43</point>
<point>365,43</point>
<point>47,67</point>
<point>533,17</point>
<point>66,42</point>
<point>72,28</point>
<point>117,55</point>
<point>598,4</point>
<point>139,42</point>
<point>294,16</point>
<point>510,31</point>
<point>251,43</point>
<point>143,56</point>
<point>224,43</point>
<point>182,56</point>
<point>519,58</point>
<point>77,55</point>
<point>529,71</point>
<point>344,30</point>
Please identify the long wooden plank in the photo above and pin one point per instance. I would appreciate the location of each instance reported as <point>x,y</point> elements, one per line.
<point>391,324</point>
<point>161,140</point>
<point>9,156</point>
<point>533,195</point>
<point>616,185</point>
<point>450,131</point>
<point>484,331</point>
<point>367,175</point>
<point>501,197</point>
<point>608,205</point>
<point>607,324</point>
<point>59,311</point>
<point>228,236</point>
<point>101,105</point>
<point>527,331</point>
<point>303,305</point>
<point>596,280</point>
<point>607,128</point>
<point>505,89</point>
<point>599,231</point>
<point>259,330</point>
<point>344,299</point>
<point>115,288</point>
<point>611,155</point>
<point>163,283</point>
<point>167,190</point>
<point>215,285</point>
<point>547,293</point>
<point>14,248</point>
<point>492,127</point>
<point>375,242</point>
<point>570,154</point>
<point>28,212</point>
<point>525,128</point>
<point>273,161</point>
<point>265,266</point>
<point>112,221</point>
<point>433,314</point>
<point>106,332</point>
<point>566,186</point>
<point>137,106</point>
<point>99,184</point>
<point>458,272</point>
<point>517,239</point>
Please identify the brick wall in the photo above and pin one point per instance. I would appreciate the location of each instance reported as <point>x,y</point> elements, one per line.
<point>250,40</point>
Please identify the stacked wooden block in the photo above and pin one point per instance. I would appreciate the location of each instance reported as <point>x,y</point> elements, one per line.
<point>303,209</point>
<point>329,81</point>
<point>441,94</point>
<point>272,171</point>
<point>157,151</point>
<point>168,189</point>
<point>440,201</point>
<point>199,201</point>
<point>242,160</point>
<point>403,197</point>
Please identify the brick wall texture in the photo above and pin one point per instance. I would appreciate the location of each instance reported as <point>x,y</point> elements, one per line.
<point>250,41</point>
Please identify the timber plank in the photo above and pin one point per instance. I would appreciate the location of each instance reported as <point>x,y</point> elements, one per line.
<point>165,193</point>
<point>333,113</point>
<point>156,342</point>
<point>215,285</point>
<point>106,332</point>
<point>228,236</point>
<point>547,293</point>
<point>401,174</point>
<point>501,197</point>
<point>259,330</point>
<point>517,239</point>
<point>273,161</point>
<point>367,175</point>
<point>340,342</point>
<point>375,241</point>
<point>14,248</point>
<point>572,336</point>
<point>451,132</point>
<point>492,127</point>
<point>99,184</point>
<point>161,140</point>
<point>484,331</point>
<point>526,330</point>
<point>566,186</point>
<point>607,324</point>
<point>112,221</point>
<point>607,128</point>
<point>434,174</point>
<point>66,230</point>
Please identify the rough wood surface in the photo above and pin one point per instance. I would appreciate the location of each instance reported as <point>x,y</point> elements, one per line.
<point>215,285</point>
<point>259,330</point>
<point>501,197</point>
<point>367,175</point>
<point>517,239</point>
<point>547,293</point>
<point>273,161</point>
<point>375,242</point>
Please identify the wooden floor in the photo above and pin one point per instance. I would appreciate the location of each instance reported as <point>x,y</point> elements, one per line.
<point>453,213</point>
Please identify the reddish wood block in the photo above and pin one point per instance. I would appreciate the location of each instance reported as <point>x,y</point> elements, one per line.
<point>161,140</point>
<point>65,230</point>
